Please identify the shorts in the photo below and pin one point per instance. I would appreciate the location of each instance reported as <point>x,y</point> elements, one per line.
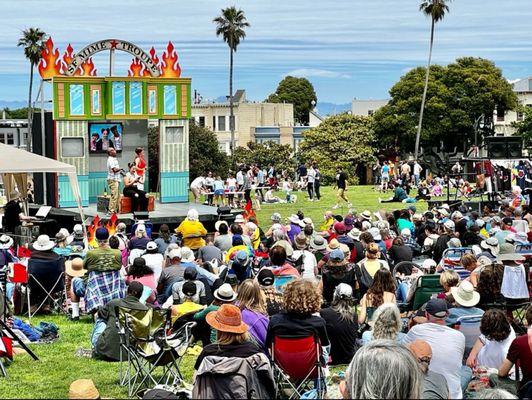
<point>385,179</point>
<point>341,192</point>
<point>79,287</point>
<point>219,192</point>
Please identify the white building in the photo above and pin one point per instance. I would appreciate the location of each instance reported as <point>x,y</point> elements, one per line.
<point>366,108</point>
<point>503,120</point>
<point>13,131</point>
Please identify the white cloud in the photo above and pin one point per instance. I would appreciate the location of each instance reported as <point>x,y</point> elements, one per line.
<point>314,72</point>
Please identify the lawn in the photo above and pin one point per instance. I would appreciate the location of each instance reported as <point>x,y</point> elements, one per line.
<point>58,365</point>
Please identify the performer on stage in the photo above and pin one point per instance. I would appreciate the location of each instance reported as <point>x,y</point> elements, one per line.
<point>113,180</point>
<point>13,214</point>
<point>132,190</point>
<point>140,164</point>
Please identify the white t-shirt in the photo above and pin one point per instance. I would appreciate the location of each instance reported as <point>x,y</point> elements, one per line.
<point>155,262</point>
<point>493,353</point>
<point>240,177</point>
<point>309,264</point>
<point>112,162</point>
<point>231,184</point>
<point>197,183</point>
<point>448,347</point>
<point>311,175</point>
<point>417,169</point>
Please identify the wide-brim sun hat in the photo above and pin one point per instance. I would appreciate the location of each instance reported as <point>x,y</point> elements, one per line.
<point>217,225</point>
<point>83,389</point>
<point>225,293</point>
<point>294,219</point>
<point>301,242</point>
<point>43,243</point>
<point>465,294</point>
<point>491,244</point>
<point>318,243</point>
<point>511,257</point>
<point>365,215</point>
<point>227,318</point>
<point>74,267</point>
<point>333,245</point>
<point>5,242</point>
<point>187,255</point>
<point>239,219</point>
<point>354,234</point>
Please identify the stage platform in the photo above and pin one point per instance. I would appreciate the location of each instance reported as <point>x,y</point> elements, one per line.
<point>165,213</point>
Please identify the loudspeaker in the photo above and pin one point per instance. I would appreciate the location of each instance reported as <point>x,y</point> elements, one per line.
<point>505,147</point>
<point>224,210</point>
<point>141,215</point>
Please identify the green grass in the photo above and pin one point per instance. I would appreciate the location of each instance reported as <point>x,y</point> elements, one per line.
<point>58,366</point>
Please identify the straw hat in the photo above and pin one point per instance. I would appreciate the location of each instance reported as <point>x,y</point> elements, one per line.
<point>365,215</point>
<point>333,245</point>
<point>83,389</point>
<point>43,243</point>
<point>218,224</point>
<point>5,242</point>
<point>74,267</point>
<point>465,294</point>
<point>227,318</point>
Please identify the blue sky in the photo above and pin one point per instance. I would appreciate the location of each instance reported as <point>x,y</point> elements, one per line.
<point>347,48</point>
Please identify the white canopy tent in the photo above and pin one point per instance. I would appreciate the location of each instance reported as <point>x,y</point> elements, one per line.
<point>16,164</point>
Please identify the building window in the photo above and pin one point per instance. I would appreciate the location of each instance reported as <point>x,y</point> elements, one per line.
<point>76,100</point>
<point>174,134</point>
<point>221,123</point>
<point>213,123</point>
<point>500,114</point>
<point>201,121</point>
<point>135,98</point>
<point>370,112</point>
<point>119,97</point>
<point>170,101</point>
<point>72,147</point>
<point>152,101</point>
<point>520,115</point>
<point>7,138</point>
<point>95,101</point>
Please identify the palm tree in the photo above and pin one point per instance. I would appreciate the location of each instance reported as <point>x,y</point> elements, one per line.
<point>231,26</point>
<point>436,10</point>
<point>33,42</point>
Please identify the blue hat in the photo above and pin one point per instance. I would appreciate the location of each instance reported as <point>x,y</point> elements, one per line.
<point>242,257</point>
<point>237,240</point>
<point>336,255</point>
<point>102,234</point>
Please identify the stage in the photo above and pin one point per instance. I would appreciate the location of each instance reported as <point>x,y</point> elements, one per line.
<point>165,213</point>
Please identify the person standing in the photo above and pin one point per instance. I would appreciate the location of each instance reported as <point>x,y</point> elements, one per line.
<point>341,184</point>
<point>317,178</point>
<point>113,180</point>
<point>140,164</point>
<point>385,176</point>
<point>261,177</point>
<point>417,173</point>
<point>311,178</point>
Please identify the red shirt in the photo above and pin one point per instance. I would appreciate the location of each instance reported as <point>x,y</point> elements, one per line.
<point>521,352</point>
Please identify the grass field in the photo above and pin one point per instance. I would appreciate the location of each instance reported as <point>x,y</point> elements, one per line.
<point>58,366</point>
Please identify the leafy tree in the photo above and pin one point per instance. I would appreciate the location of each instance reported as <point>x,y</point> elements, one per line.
<point>342,140</point>
<point>204,152</point>
<point>524,127</point>
<point>231,26</point>
<point>20,113</point>
<point>297,91</point>
<point>263,154</point>
<point>33,42</point>
<point>436,10</point>
<point>458,94</point>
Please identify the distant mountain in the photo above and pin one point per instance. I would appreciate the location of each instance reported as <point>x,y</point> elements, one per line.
<point>324,108</point>
<point>13,104</point>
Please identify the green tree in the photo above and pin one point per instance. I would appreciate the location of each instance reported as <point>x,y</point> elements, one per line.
<point>299,92</point>
<point>458,94</point>
<point>524,127</point>
<point>231,26</point>
<point>32,41</point>
<point>263,154</point>
<point>204,152</point>
<point>20,113</point>
<point>342,140</point>
<point>436,10</point>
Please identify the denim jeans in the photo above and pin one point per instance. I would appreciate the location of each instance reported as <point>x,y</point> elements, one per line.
<point>402,292</point>
<point>466,374</point>
<point>97,330</point>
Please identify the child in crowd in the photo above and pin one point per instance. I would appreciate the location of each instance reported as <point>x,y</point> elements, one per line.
<point>218,187</point>
<point>287,189</point>
<point>231,188</point>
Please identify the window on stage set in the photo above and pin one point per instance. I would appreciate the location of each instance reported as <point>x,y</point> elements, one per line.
<point>76,100</point>
<point>95,102</point>
<point>174,134</point>
<point>119,97</point>
<point>221,123</point>
<point>135,98</point>
<point>152,101</point>
<point>170,101</point>
<point>72,147</point>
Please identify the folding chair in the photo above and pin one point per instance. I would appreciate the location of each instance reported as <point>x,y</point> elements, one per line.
<point>451,260</point>
<point>428,285</point>
<point>297,365</point>
<point>524,249</point>
<point>469,325</point>
<point>143,337</point>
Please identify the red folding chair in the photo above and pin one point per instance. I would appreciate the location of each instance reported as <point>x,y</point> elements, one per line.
<point>297,364</point>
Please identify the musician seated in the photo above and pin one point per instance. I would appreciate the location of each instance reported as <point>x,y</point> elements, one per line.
<point>13,214</point>
<point>132,189</point>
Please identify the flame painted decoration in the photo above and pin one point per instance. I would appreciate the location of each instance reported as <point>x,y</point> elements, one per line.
<point>168,66</point>
<point>50,65</point>
<point>86,69</point>
<point>97,223</point>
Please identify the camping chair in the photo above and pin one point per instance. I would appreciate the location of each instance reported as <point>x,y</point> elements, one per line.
<point>47,285</point>
<point>297,364</point>
<point>469,325</point>
<point>525,249</point>
<point>428,285</point>
<point>143,337</point>
<point>451,260</point>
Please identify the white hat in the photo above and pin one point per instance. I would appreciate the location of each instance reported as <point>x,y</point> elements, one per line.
<point>480,223</point>
<point>78,230</point>
<point>174,253</point>
<point>239,219</point>
<point>454,243</point>
<point>483,261</point>
<point>457,215</point>
<point>491,244</point>
<point>445,206</point>
<point>449,225</point>
<point>218,224</point>
<point>225,293</point>
<point>443,212</point>
<point>465,294</point>
<point>5,242</point>
<point>295,220</point>
<point>276,217</point>
<point>187,255</point>
<point>354,234</point>
<point>43,243</point>
<point>366,215</point>
<point>151,246</point>
<point>308,221</point>
<point>140,228</point>
<point>428,264</point>
<point>406,232</point>
<point>375,233</point>
<point>366,225</point>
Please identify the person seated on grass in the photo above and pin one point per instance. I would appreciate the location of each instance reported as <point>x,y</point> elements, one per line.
<point>178,296</point>
<point>154,259</point>
<point>338,271</point>
<point>140,272</point>
<point>188,306</point>
<point>381,291</point>
<point>434,384</point>
<point>274,300</point>
<point>105,339</point>
<point>252,305</point>
<point>385,324</point>
<point>209,252</point>
<point>269,198</point>
<point>164,239</point>
<point>174,272</point>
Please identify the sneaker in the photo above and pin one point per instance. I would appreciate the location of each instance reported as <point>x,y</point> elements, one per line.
<point>85,353</point>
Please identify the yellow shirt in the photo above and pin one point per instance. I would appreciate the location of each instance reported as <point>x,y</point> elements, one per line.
<point>235,249</point>
<point>327,224</point>
<point>192,232</point>
<point>255,239</point>
<point>184,308</point>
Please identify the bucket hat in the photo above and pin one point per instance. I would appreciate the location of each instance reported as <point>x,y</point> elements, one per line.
<point>227,318</point>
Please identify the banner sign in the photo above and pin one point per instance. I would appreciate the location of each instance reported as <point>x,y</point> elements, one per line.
<point>112,44</point>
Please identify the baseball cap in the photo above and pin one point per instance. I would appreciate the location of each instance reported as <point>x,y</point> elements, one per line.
<point>151,246</point>
<point>265,277</point>
<point>339,227</point>
<point>141,228</point>
<point>343,291</point>
<point>175,253</point>
<point>242,257</point>
<point>102,233</point>
<point>336,255</point>
<point>449,225</point>
<point>437,308</point>
<point>428,264</point>
<point>189,288</point>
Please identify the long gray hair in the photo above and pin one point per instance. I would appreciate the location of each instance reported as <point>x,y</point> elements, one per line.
<point>386,322</point>
<point>383,369</point>
<point>344,303</point>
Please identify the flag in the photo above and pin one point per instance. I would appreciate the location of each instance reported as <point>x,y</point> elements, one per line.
<point>23,252</point>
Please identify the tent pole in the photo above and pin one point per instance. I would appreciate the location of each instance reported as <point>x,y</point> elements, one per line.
<point>43,142</point>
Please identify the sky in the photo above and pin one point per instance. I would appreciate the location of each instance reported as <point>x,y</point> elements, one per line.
<point>346,48</point>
